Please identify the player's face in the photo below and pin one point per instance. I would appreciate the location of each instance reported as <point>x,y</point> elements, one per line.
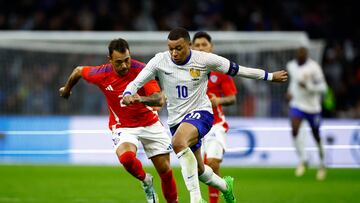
<point>179,50</point>
<point>120,61</point>
<point>202,44</point>
<point>301,55</point>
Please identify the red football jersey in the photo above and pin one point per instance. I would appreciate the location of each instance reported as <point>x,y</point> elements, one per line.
<point>113,86</point>
<point>220,85</point>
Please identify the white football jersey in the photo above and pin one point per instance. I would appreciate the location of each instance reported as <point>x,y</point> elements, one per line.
<point>184,85</point>
<point>306,99</point>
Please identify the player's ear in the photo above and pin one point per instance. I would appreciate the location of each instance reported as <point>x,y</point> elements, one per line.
<point>109,59</point>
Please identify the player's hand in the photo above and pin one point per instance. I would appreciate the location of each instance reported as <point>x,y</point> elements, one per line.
<point>136,98</point>
<point>215,101</point>
<point>280,76</point>
<point>130,99</point>
<point>65,93</point>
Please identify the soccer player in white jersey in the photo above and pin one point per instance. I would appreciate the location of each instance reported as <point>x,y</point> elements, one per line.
<point>307,84</point>
<point>183,76</point>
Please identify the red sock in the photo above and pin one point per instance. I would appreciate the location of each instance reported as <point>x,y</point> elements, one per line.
<point>132,165</point>
<point>213,195</point>
<point>168,186</point>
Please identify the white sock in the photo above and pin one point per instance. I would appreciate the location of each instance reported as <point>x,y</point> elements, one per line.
<point>147,179</point>
<point>321,154</point>
<point>299,143</point>
<point>210,178</point>
<point>189,172</point>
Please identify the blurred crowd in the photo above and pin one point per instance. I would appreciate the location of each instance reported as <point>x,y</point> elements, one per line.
<point>336,22</point>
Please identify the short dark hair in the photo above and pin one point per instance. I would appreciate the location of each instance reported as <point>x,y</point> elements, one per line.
<point>202,34</point>
<point>178,33</point>
<point>119,45</point>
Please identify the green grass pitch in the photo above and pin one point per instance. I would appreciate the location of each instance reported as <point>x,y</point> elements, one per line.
<point>111,184</point>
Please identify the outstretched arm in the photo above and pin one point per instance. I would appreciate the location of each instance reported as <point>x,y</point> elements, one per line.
<point>65,91</point>
<point>255,73</point>
<point>223,65</point>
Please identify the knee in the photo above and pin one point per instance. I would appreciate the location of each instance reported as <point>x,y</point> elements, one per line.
<point>164,168</point>
<point>127,157</point>
<point>179,145</point>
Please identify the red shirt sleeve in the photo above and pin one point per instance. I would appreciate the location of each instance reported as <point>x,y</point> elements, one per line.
<point>151,87</point>
<point>85,73</point>
<point>228,86</point>
<point>94,74</point>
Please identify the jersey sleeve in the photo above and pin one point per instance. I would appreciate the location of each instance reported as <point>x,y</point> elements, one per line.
<point>151,87</point>
<point>148,73</point>
<point>87,71</point>
<point>217,63</point>
<point>228,86</point>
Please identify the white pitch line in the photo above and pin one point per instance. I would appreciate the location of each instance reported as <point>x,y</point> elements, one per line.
<point>107,151</point>
<point>256,129</point>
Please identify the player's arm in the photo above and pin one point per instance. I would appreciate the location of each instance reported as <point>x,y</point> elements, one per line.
<point>223,65</point>
<point>74,77</point>
<point>156,99</point>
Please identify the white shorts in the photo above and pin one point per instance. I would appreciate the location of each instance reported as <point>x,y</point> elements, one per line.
<point>214,142</point>
<point>154,138</point>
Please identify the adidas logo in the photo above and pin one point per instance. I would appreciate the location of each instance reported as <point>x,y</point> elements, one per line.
<point>109,88</point>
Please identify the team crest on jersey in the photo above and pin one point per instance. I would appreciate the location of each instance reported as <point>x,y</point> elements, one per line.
<point>213,78</point>
<point>195,73</point>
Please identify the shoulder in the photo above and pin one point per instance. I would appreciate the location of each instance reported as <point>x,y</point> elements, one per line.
<point>291,63</point>
<point>201,57</point>
<point>313,63</point>
<point>201,54</point>
<point>97,70</point>
<point>137,64</point>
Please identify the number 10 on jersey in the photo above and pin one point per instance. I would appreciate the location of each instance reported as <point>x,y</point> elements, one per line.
<point>182,91</point>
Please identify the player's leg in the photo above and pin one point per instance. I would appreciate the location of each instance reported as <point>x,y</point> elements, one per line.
<point>157,146</point>
<point>185,136</point>
<point>314,121</point>
<point>296,118</point>
<point>214,143</point>
<point>126,153</point>
<point>126,144</point>
<point>214,164</point>
<point>207,176</point>
<point>168,185</point>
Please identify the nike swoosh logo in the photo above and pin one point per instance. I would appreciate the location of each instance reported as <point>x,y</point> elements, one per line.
<point>168,73</point>
<point>190,177</point>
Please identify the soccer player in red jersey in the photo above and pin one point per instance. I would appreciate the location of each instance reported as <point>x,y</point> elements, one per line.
<point>221,91</point>
<point>131,124</point>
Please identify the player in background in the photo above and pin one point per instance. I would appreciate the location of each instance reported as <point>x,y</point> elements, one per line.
<point>131,124</point>
<point>307,84</point>
<point>183,76</point>
<point>221,91</point>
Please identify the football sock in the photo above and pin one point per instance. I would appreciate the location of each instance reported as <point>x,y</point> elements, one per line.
<point>168,186</point>
<point>189,172</point>
<point>213,195</point>
<point>321,154</point>
<point>211,179</point>
<point>299,146</point>
<point>132,165</point>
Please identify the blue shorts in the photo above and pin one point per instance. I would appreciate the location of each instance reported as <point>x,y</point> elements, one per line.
<point>202,120</point>
<point>313,118</point>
